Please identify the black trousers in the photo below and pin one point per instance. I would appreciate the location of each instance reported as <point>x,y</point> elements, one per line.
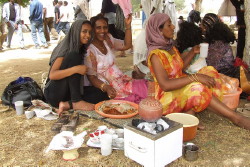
<point>68,89</point>
<point>241,42</point>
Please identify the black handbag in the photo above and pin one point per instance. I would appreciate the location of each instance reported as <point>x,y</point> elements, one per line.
<point>24,89</point>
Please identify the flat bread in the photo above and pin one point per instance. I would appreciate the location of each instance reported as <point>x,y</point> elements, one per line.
<point>117,108</point>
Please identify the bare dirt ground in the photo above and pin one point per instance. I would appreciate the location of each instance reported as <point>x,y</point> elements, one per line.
<point>23,142</point>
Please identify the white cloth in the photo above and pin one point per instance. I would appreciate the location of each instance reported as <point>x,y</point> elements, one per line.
<point>64,10</point>
<point>146,7</point>
<point>66,141</point>
<point>84,5</point>
<point>169,9</point>
<point>50,10</point>
<point>227,9</point>
<point>140,48</point>
<point>158,5</point>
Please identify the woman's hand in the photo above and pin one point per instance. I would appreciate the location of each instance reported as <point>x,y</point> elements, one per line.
<point>110,91</point>
<point>206,80</point>
<point>128,21</point>
<point>195,49</point>
<point>81,69</point>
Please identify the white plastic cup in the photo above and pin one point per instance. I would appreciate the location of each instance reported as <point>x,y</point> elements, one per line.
<point>106,144</point>
<point>19,107</point>
<point>29,114</point>
<point>101,128</point>
<point>119,142</point>
<point>120,133</point>
<point>113,139</point>
<point>203,50</point>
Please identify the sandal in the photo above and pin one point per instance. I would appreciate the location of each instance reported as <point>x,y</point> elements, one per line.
<point>244,111</point>
<point>63,119</point>
<point>73,121</point>
<point>4,108</point>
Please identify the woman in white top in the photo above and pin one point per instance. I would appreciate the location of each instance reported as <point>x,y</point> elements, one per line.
<point>102,71</point>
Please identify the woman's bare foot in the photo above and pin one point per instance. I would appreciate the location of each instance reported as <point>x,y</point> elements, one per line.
<point>201,126</point>
<point>83,105</point>
<point>242,121</point>
<point>63,106</point>
<point>137,74</point>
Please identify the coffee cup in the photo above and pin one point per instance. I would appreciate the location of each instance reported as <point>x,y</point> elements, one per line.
<point>119,142</point>
<point>190,152</point>
<point>29,114</point>
<point>106,144</point>
<point>203,50</point>
<point>19,107</point>
<point>119,132</point>
<point>101,128</point>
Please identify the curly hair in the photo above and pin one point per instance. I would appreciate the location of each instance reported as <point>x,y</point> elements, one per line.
<point>94,19</point>
<point>220,32</point>
<point>188,35</point>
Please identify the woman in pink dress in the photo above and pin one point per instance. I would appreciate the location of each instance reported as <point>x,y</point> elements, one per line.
<point>102,71</point>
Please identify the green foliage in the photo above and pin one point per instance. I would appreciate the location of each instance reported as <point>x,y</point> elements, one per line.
<point>23,3</point>
<point>136,5</point>
<point>180,4</point>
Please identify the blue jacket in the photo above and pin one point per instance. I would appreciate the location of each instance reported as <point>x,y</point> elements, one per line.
<point>36,11</point>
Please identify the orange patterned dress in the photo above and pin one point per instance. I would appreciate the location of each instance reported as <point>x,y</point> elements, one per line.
<point>195,95</point>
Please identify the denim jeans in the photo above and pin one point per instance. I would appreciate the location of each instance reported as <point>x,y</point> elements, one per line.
<point>63,26</point>
<point>11,30</point>
<point>37,25</point>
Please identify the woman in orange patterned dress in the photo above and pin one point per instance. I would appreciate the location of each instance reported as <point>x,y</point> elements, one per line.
<point>177,91</point>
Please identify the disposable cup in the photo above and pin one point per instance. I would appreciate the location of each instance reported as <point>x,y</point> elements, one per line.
<point>101,128</point>
<point>203,50</point>
<point>106,144</point>
<point>119,142</point>
<point>19,107</point>
<point>114,137</point>
<point>119,132</point>
<point>29,114</point>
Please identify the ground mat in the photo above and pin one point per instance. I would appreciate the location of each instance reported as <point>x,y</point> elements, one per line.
<point>119,123</point>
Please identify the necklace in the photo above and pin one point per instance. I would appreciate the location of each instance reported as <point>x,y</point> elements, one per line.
<point>100,46</point>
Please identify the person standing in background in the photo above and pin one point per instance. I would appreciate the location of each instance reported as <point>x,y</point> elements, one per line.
<point>157,6</point>
<point>169,9</point>
<point>240,9</point>
<point>63,24</point>
<point>48,21</point>
<point>79,13</point>
<point>12,17</point>
<point>109,11</point>
<point>3,33</point>
<point>36,21</point>
<point>57,12</point>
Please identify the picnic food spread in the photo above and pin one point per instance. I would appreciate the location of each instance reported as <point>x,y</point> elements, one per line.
<point>117,108</point>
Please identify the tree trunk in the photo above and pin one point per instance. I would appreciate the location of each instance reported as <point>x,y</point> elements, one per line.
<point>198,5</point>
<point>247,18</point>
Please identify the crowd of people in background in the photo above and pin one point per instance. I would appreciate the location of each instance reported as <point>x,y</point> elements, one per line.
<point>45,18</point>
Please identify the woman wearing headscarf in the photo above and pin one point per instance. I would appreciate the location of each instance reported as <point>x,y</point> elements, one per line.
<point>63,88</point>
<point>102,70</point>
<point>177,91</point>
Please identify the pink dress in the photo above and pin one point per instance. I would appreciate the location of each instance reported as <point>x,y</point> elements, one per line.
<point>104,68</point>
<point>125,5</point>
